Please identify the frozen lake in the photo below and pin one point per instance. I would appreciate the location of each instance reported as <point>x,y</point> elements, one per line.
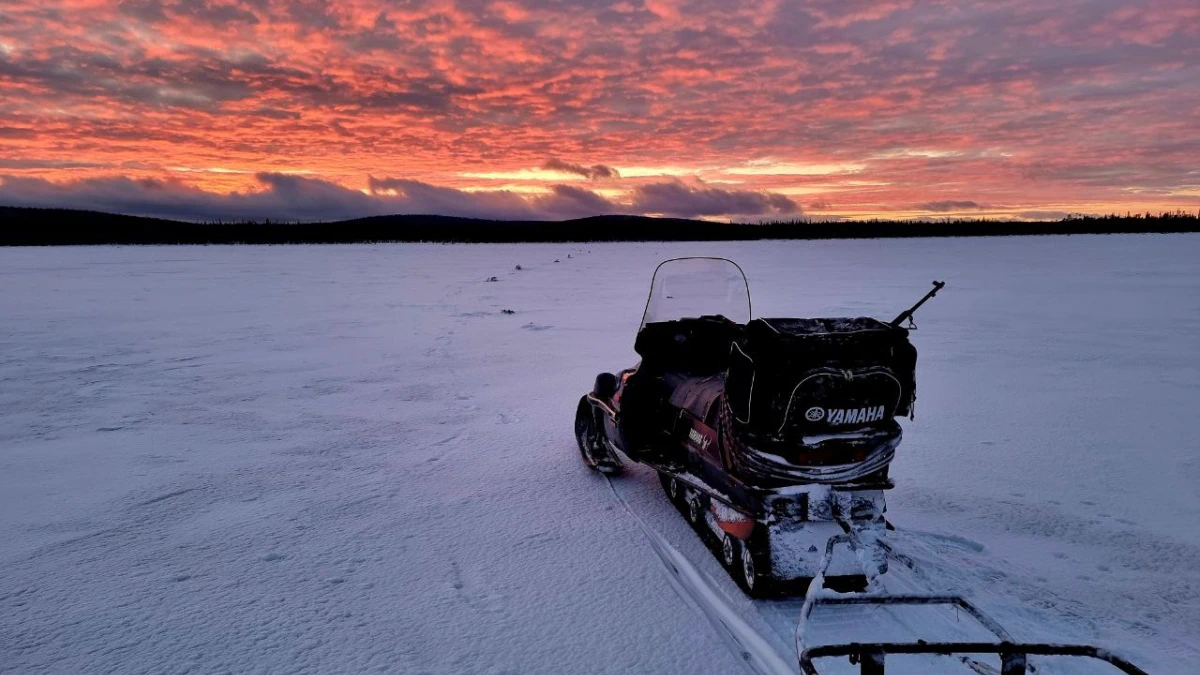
<point>347,458</point>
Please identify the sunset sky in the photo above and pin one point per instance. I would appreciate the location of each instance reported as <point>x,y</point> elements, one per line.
<point>307,109</point>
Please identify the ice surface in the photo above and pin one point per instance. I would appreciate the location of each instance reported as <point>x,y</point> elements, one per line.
<point>347,459</point>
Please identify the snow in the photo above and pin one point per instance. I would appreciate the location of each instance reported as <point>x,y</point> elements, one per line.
<point>347,459</point>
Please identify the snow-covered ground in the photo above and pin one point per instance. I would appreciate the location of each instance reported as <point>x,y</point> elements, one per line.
<point>348,459</point>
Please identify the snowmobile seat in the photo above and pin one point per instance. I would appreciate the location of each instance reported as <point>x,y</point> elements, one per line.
<point>694,346</point>
<point>695,394</point>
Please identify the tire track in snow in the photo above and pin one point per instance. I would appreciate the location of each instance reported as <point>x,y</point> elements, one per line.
<point>755,649</point>
<point>697,591</point>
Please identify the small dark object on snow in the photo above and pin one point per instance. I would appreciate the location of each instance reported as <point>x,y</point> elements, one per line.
<point>518,268</point>
<point>568,255</point>
<point>492,279</point>
<point>507,311</point>
<point>556,260</point>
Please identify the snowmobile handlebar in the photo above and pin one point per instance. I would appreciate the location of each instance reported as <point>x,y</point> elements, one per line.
<point>907,314</point>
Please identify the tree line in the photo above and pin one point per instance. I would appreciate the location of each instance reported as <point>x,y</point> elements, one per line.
<point>63,227</point>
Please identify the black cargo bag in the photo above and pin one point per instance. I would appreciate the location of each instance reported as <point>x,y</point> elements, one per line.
<point>793,378</point>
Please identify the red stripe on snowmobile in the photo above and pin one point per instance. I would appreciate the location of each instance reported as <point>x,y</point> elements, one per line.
<point>732,522</point>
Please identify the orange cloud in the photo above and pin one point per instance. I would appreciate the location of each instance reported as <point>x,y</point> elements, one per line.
<point>1020,104</point>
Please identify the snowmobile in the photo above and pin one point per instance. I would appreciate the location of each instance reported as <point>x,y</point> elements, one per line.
<point>771,435</point>
<point>774,437</point>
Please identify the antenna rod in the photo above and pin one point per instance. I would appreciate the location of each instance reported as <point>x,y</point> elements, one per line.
<point>907,314</point>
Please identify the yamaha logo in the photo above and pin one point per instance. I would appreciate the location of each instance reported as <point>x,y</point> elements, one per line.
<point>838,416</point>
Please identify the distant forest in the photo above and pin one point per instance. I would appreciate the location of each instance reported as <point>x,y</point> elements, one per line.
<point>63,227</point>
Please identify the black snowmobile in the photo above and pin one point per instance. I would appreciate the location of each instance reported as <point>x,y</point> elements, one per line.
<point>771,435</point>
<point>774,437</point>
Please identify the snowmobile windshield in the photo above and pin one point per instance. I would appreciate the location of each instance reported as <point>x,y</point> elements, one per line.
<point>692,287</point>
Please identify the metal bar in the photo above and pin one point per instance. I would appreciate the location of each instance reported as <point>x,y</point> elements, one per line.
<point>1014,655</point>
<point>596,400</point>
<point>1012,664</point>
<point>962,603</point>
<point>886,484</point>
<point>908,313</point>
<point>1012,649</point>
<point>872,664</point>
<point>911,599</point>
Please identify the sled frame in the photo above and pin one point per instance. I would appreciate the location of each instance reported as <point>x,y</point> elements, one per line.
<point>872,656</point>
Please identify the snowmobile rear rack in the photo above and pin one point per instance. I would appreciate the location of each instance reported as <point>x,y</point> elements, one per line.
<point>871,656</point>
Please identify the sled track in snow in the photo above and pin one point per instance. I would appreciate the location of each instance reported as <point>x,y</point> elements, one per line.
<point>697,589</point>
<point>756,651</point>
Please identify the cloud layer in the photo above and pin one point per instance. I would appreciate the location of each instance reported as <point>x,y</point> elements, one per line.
<point>298,198</point>
<point>880,107</point>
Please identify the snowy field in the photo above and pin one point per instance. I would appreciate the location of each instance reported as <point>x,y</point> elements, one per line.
<point>348,459</point>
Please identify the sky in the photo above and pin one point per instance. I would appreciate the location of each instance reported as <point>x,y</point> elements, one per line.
<point>549,109</point>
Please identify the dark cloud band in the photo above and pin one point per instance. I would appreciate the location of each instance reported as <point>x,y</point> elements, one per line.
<point>301,198</point>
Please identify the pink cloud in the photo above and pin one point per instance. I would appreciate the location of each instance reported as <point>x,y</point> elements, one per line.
<point>1082,103</point>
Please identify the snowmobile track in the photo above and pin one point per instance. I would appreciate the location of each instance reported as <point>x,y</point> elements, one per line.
<point>698,591</point>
